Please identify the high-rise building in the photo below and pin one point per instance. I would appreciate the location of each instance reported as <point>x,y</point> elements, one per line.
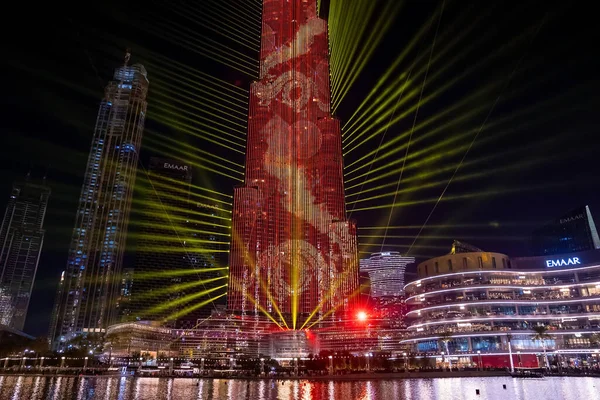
<point>160,218</point>
<point>6,307</point>
<point>294,253</point>
<point>572,232</point>
<point>92,275</point>
<point>207,251</point>
<point>386,273</point>
<point>177,250</point>
<point>21,241</point>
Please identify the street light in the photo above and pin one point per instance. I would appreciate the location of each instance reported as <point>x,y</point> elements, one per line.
<point>512,363</point>
<point>405,362</point>
<point>480,363</point>
<point>330,365</point>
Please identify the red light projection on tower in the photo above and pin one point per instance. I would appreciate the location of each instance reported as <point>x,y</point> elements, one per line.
<point>294,254</point>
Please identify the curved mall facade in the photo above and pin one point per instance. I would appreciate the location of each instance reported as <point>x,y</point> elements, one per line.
<point>480,301</point>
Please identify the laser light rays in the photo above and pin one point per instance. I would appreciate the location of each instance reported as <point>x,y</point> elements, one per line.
<point>176,273</point>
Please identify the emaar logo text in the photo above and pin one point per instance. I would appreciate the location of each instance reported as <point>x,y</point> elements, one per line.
<point>174,166</point>
<point>563,262</point>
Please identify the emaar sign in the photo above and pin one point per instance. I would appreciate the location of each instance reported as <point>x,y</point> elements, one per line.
<point>175,166</point>
<point>563,262</point>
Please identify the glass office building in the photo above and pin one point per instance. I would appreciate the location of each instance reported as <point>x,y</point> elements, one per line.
<point>571,232</point>
<point>21,241</point>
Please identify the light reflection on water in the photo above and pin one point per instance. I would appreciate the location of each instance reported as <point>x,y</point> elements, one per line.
<point>58,388</point>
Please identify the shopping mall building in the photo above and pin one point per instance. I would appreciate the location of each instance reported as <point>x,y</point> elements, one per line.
<point>478,308</point>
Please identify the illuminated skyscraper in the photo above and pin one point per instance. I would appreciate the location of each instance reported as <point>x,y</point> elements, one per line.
<point>294,253</point>
<point>21,240</point>
<point>92,276</point>
<point>386,273</point>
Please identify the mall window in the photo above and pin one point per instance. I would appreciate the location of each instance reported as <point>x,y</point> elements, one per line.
<point>480,262</point>
<point>494,262</point>
<point>458,345</point>
<point>437,268</point>
<point>429,345</point>
<point>464,262</point>
<point>486,343</point>
<point>449,265</point>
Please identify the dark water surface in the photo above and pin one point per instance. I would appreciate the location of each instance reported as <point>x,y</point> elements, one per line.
<point>55,388</point>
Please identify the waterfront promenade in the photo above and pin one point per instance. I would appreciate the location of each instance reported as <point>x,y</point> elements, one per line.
<point>360,376</point>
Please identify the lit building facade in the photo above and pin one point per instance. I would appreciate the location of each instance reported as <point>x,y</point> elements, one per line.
<point>572,232</point>
<point>486,306</point>
<point>91,280</point>
<point>21,241</point>
<point>294,254</point>
<point>6,307</point>
<point>386,273</point>
<point>218,338</point>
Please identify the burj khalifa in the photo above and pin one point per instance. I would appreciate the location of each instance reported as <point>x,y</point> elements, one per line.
<point>294,252</point>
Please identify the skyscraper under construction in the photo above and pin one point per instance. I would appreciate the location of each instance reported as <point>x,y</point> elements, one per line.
<point>90,282</point>
<point>294,254</point>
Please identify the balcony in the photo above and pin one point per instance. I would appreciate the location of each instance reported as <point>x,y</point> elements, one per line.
<point>504,278</point>
<point>505,292</point>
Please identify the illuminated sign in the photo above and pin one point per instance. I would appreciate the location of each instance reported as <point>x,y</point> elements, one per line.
<point>563,262</point>
<point>571,219</point>
<point>202,205</point>
<point>386,254</point>
<point>175,166</point>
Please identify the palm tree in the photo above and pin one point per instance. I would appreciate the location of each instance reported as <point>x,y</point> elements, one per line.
<point>541,333</point>
<point>445,337</point>
<point>509,340</point>
<point>595,339</point>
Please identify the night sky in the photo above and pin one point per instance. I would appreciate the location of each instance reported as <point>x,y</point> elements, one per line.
<point>528,89</point>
